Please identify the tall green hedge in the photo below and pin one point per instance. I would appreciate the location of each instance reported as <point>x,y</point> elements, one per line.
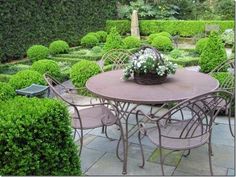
<point>25,23</point>
<point>184,28</point>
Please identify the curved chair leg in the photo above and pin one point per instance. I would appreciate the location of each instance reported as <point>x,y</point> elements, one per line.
<point>141,147</point>
<point>186,155</point>
<point>161,162</point>
<point>230,127</point>
<point>117,150</point>
<point>105,130</point>
<point>81,141</point>
<point>210,154</point>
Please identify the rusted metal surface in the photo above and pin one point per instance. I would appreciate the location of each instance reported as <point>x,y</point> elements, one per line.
<point>183,85</point>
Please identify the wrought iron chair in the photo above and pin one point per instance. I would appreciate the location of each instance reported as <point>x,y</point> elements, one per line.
<point>116,59</point>
<point>227,83</point>
<point>178,131</point>
<point>92,116</point>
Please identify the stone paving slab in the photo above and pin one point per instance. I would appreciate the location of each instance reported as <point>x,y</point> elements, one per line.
<point>221,135</point>
<point>231,172</point>
<point>110,165</point>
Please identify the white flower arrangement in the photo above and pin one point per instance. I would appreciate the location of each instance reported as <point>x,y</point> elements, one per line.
<point>145,61</point>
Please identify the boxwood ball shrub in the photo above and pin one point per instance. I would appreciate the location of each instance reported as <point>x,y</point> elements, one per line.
<point>152,36</point>
<point>200,45</point>
<point>164,33</point>
<point>102,36</point>
<point>81,72</point>
<point>6,91</point>
<point>213,54</point>
<point>96,49</point>
<point>49,66</point>
<point>37,52</point>
<point>58,47</point>
<point>35,139</point>
<point>25,78</point>
<point>176,53</point>
<point>162,43</point>
<point>89,40</point>
<point>113,41</point>
<point>131,42</point>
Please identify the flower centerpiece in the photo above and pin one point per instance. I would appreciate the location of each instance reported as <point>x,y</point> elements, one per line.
<point>148,67</point>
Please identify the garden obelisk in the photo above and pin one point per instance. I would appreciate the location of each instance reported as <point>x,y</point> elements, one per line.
<point>135,24</point>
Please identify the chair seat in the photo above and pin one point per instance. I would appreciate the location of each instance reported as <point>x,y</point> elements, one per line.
<point>174,130</point>
<point>93,117</point>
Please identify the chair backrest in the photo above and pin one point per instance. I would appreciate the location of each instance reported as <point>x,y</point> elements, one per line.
<point>116,59</point>
<point>197,114</point>
<point>226,70</point>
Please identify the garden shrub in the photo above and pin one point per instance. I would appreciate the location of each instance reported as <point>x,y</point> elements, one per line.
<point>185,28</point>
<point>58,47</point>
<point>162,43</point>
<point>151,37</point>
<point>213,54</point>
<point>96,49</point>
<point>81,72</point>
<point>165,34</point>
<point>37,52</point>
<point>35,139</point>
<point>47,66</point>
<point>113,41</point>
<point>200,45</point>
<point>5,77</point>
<point>131,42</point>
<point>6,91</point>
<point>25,78</point>
<point>222,76</point>
<point>186,61</point>
<point>102,36</point>
<point>176,53</point>
<point>89,40</point>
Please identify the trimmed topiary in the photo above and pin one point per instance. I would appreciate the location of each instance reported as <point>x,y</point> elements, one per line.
<point>131,42</point>
<point>37,52</point>
<point>200,45</point>
<point>102,36</point>
<point>164,33</point>
<point>58,47</point>
<point>113,41</point>
<point>162,43</point>
<point>81,72</point>
<point>152,36</point>
<point>213,54</point>
<point>6,91</point>
<point>35,139</point>
<point>89,40</point>
<point>49,66</point>
<point>25,78</point>
<point>176,53</point>
<point>222,77</point>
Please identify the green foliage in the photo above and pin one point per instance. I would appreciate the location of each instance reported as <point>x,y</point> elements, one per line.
<point>6,91</point>
<point>152,36</point>
<point>185,28</point>
<point>102,36</point>
<point>186,61</point>
<point>233,48</point>
<point>25,23</point>
<point>37,52</point>
<point>228,37</point>
<point>200,45</point>
<point>35,139</point>
<point>58,46</point>
<point>176,53</point>
<point>162,43</point>
<point>225,8</point>
<point>47,66</point>
<point>81,72</point>
<point>122,26</point>
<point>25,78</point>
<point>222,77</point>
<point>165,34</point>
<point>12,68</point>
<point>114,41</point>
<point>131,42</point>
<point>89,40</point>
<point>96,49</point>
<point>213,54</point>
<point>5,77</point>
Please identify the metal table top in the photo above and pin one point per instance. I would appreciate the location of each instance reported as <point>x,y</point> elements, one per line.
<point>183,85</point>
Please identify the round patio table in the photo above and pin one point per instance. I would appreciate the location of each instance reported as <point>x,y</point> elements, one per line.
<point>183,85</point>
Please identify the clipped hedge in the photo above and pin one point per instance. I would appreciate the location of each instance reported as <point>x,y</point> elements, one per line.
<point>131,42</point>
<point>162,43</point>
<point>81,72</point>
<point>89,40</point>
<point>25,23</point>
<point>58,46</point>
<point>186,61</point>
<point>49,66</point>
<point>35,139</point>
<point>200,45</point>
<point>6,91</point>
<point>37,52</point>
<point>185,28</point>
<point>113,41</point>
<point>25,78</point>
